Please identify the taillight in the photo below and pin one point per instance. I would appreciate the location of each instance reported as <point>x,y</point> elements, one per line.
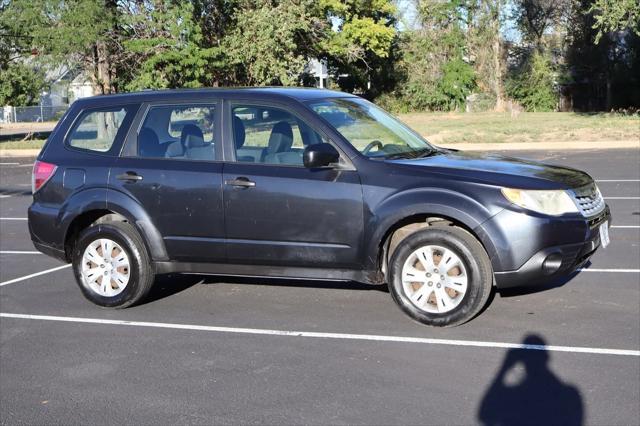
<point>42,172</point>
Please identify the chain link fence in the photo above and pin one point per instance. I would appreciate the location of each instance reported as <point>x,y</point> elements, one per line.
<point>32,114</point>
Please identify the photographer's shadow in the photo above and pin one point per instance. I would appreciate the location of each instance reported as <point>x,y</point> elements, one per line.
<point>526,391</point>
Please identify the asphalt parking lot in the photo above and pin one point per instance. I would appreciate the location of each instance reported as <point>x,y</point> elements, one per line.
<point>219,350</point>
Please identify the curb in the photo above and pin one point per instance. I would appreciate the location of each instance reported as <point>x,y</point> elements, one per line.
<point>8,153</point>
<point>540,146</point>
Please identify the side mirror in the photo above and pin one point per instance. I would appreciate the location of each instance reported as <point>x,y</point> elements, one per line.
<point>320,155</point>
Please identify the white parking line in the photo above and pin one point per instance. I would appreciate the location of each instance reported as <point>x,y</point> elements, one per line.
<point>339,336</point>
<point>631,271</point>
<point>617,180</point>
<point>15,280</point>
<point>9,164</point>
<point>19,252</point>
<point>626,226</point>
<point>13,218</point>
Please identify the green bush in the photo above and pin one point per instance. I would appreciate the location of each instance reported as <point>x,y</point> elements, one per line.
<point>532,85</point>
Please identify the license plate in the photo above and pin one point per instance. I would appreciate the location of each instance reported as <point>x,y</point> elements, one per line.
<point>604,234</point>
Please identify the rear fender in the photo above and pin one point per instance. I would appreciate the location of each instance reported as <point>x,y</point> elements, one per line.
<point>116,202</point>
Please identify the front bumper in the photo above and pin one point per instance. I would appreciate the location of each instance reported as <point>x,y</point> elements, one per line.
<point>555,249</point>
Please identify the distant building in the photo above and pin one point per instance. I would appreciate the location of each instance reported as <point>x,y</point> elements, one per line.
<point>65,85</point>
<point>318,70</point>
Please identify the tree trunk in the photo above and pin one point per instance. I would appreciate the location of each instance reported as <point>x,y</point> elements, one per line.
<point>497,84</point>
<point>103,68</point>
<point>497,59</point>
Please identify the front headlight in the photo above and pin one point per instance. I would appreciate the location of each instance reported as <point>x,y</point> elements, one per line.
<point>547,202</point>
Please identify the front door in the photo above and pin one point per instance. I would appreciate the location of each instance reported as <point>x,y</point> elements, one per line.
<point>277,212</point>
<point>174,172</point>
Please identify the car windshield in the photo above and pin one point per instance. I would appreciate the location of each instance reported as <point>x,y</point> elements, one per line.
<point>371,130</point>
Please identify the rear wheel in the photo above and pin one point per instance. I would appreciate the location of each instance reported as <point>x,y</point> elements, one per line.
<point>111,265</point>
<point>440,276</point>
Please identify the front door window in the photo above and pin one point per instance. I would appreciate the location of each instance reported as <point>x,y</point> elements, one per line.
<point>270,135</point>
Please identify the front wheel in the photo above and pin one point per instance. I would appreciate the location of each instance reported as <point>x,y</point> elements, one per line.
<point>440,276</point>
<point>111,265</point>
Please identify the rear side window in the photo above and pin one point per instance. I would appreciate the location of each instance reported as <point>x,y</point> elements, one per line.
<point>97,130</point>
<point>179,132</point>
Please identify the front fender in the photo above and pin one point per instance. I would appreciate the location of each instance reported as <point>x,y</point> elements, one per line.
<point>424,201</point>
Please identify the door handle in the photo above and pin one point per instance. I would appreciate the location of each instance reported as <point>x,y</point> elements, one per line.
<point>242,182</point>
<point>129,177</point>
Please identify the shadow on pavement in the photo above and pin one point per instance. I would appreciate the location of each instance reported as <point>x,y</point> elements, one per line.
<point>168,285</point>
<point>526,391</point>
<point>337,285</point>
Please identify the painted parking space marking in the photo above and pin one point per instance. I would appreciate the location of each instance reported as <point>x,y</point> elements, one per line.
<point>617,180</point>
<point>19,252</point>
<point>26,277</point>
<point>13,218</point>
<point>320,335</point>
<point>9,164</point>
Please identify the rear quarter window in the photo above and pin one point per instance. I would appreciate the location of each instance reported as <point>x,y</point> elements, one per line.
<point>98,129</point>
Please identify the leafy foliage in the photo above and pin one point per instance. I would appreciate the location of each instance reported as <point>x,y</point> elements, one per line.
<point>271,43</point>
<point>615,15</point>
<point>533,86</point>
<point>20,85</point>
<point>578,49</point>
<point>169,48</point>
<point>435,72</point>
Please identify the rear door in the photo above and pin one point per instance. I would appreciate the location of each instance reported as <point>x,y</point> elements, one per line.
<point>277,212</point>
<point>172,166</point>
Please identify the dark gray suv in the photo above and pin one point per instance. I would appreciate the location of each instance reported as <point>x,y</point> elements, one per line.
<point>299,183</point>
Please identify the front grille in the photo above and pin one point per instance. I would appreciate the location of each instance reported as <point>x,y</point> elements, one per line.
<point>589,200</point>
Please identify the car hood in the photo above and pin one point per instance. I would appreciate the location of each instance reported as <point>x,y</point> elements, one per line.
<point>499,170</point>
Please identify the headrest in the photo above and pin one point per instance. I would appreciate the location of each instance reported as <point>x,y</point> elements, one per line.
<point>149,144</point>
<point>281,137</point>
<point>191,136</point>
<point>238,132</point>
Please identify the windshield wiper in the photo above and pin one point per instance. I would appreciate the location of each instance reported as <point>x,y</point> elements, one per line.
<point>426,152</point>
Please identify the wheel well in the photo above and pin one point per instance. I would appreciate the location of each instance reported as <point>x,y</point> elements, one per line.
<point>85,220</point>
<point>407,226</point>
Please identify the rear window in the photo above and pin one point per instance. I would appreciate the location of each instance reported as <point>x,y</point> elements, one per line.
<point>97,130</point>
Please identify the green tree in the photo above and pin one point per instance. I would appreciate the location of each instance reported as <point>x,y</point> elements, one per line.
<point>615,15</point>
<point>77,31</point>
<point>169,48</point>
<point>436,73</point>
<point>483,21</point>
<point>360,43</point>
<point>603,73</point>
<point>537,18</point>
<point>273,41</point>
<point>20,85</point>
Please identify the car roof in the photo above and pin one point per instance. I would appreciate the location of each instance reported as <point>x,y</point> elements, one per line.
<point>263,93</point>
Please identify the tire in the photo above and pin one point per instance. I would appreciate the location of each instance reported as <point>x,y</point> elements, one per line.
<point>467,284</point>
<point>128,284</point>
